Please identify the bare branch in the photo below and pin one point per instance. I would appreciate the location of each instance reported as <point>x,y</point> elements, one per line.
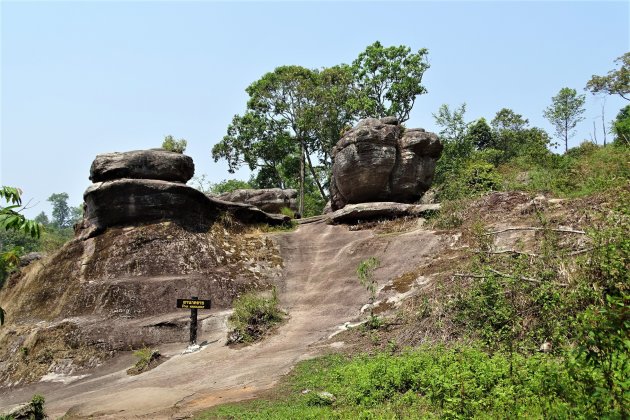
<point>500,274</point>
<point>580,232</point>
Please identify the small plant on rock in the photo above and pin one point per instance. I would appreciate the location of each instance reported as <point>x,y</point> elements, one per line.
<point>147,359</point>
<point>253,316</point>
<point>365,273</point>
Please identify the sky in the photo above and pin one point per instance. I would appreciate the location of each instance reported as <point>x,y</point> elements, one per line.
<point>81,78</point>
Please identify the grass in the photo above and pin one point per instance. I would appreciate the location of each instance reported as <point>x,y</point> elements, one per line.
<point>254,315</point>
<point>428,382</point>
<point>147,359</point>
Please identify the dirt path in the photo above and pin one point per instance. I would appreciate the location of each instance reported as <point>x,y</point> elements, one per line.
<point>318,289</point>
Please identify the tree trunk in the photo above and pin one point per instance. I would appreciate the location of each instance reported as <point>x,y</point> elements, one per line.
<point>302,154</point>
<point>319,185</point>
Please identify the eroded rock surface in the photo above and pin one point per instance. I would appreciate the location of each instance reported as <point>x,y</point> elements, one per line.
<point>147,186</point>
<point>379,160</point>
<point>142,164</point>
<point>270,200</point>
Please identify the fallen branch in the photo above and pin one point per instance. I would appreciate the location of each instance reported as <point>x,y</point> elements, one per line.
<point>513,251</point>
<point>529,254</point>
<point>580,251</point>
<point>500,274</point>
<point>580,232</point>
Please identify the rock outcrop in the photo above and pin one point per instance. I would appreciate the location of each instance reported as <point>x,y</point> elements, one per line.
<point>142,164</point>
<point>146,186</point>
<point>353,213</point>
<point>270,200</point>
<point>380,160</point>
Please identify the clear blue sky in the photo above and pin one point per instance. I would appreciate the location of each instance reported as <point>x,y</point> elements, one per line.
<point>82,78</point>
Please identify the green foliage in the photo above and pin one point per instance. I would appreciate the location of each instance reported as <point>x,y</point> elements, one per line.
<point>365,273</point>
<point>11,219</point>
<point>617,82</point>
<point>429,382</point>
<point>295,116</point>
<point>287,212</point>
<point>388,80</point>
<point>172,145</point>
<point>229,185</point>
<point>621,127</point>
<point>37,407</point>
<point>512,137</point>
<point>61,210</point>
<point>253,316</point>
<point>565,112</point>
<point>146,358</point>
<point>582,171</point>
<point>473,178</point>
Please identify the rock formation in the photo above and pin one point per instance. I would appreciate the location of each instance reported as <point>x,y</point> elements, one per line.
<point>270,200</point>
<point>143,164</point>
<point>380,160</point>
<point>146,186</point>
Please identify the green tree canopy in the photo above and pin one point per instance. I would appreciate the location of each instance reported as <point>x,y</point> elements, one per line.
<point>295,115</point>
<point>480,134</point>
<point>621,126</point>
<point>565,112</point>
<point>388,80</point>
<point>616,82</point>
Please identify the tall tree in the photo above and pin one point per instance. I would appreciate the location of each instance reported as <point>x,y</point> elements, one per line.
<point>480,134</point>
<point>389,79</point>
<point>565,112</point>
<point>616,82</point>
<point>63,216</point>
<point>621,126</point>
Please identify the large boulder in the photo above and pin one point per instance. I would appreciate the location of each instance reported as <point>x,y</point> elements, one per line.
<point>270,200</point>
<point>130,202</point>
<point>379,160</point>
<point>134,201</point>
<point>142,164</point>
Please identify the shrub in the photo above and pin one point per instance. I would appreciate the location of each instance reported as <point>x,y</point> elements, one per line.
<point>172,145</point>
<point>253,316</point>
<point>147,359</point>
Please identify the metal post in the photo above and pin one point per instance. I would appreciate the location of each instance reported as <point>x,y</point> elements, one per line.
<point>193,324</point>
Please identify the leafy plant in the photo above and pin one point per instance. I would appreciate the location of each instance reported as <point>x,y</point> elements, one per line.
<point>253,316</point>
<point>172,145</point>
<point>365,273</point>
<point>147,358</point>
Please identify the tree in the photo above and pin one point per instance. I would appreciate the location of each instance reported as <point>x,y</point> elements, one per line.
<point>12,219</point>
<point>512,137</point>
<point>389,80</point>
<point>616,82</point>
<point>480,134</point>
<point>457,146</point>
<point>565,112</point>
<point>172,145</point>
<point>621,126</point>
<point>61,210</point>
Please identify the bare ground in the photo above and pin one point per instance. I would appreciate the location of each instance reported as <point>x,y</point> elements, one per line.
<point>319,290</point>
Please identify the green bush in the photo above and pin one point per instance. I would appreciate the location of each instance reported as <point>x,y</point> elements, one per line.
<point>147,359</point>
<point>172,145</point>
<point>428,382</point>
<point>471,179</point>
<point>253,316</point>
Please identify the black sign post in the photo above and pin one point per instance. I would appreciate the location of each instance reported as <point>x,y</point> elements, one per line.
<point>193,304</point>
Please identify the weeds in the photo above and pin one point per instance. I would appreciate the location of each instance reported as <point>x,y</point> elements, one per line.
<point>147,359</point>
<point>253,317</point>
